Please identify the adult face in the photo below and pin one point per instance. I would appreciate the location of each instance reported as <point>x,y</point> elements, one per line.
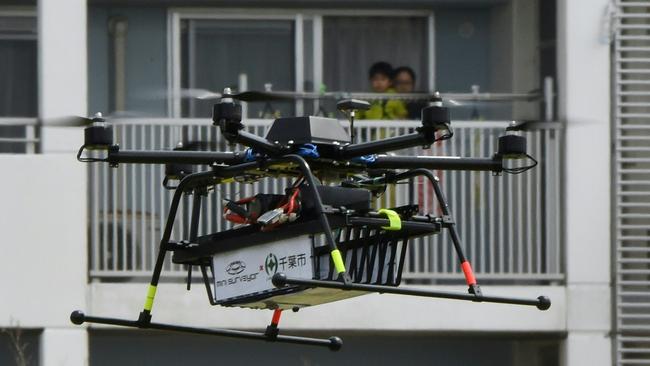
<point>404,83</point>
<point>379,83</point>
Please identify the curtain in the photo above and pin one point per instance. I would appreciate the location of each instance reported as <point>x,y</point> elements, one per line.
<point>352,44</point>
<point>18,79</point>
<point>219,50</point>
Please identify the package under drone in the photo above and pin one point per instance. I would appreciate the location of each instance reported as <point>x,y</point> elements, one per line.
<point>247,259</point>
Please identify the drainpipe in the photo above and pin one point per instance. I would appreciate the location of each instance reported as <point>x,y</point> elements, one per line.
<point>118,27</point>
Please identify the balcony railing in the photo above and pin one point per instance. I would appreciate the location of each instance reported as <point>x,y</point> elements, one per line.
<point>18,135</point>
<point>510,224</point>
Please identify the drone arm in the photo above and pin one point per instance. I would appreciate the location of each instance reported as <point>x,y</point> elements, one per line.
<point>384,145</point>
<point>116,156</point>
<point>255,142</point>
<point>494,164</point>
<point>435,118</point>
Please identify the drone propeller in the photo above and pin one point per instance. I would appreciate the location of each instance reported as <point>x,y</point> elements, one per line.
<point>67,121</point>
<point>80,121</point>
<point>247,96</point>
<point>452,100</point>
<point>257,96</point>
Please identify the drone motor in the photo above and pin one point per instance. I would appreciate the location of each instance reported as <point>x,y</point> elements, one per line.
<point>436,118</point>
<point>99,135</point>
<point>227,115</point>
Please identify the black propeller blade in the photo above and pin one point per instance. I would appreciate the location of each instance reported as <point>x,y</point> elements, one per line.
<point>80,121</point>
<point>258,96</point>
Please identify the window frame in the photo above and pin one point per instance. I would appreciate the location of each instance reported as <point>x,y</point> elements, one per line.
<point>30,140</point>
<point>298,16</point>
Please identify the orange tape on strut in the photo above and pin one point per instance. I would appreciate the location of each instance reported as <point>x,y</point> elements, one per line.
<point>469,274</point>
<point>276,316</point>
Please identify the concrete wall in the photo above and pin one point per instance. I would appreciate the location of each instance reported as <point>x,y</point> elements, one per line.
<point>43,225</point>
<point>584,104</point>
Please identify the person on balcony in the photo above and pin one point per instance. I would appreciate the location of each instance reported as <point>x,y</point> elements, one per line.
<point>380,76</point>
<point>404,82</point>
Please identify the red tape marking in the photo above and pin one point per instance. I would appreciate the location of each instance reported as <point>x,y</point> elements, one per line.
<point>276,316</point>
<point>469,274</point>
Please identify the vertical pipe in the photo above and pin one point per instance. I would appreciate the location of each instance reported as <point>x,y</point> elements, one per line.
<point>200,137</point>
<point>123,205</point>
<point>520,224</point>
<point>210,214</point>
<point>463,190</point>
<point>479,190</point>
<point>151,192</point>
<point>549,201</point>
<point>431,59</point>
<point>453,189</point>
<point>539,186</point>
<point>548,99</point>
<point>30,136</point>
<point>318,57</point>
<point>428,202</point>
<point>105,194</point>
<point>492,204</point>
<point>94,209</point>
<point>174,65</point>
<point>529,214</point>
<point>482,240</point>
<point>118,27</point>
<point>136,249</point>
<point>165,143</point>
<point>142,184</point>
<point>299,61</point>
<point>558,199</point>
<point>510,218</point>
<point>196,216</point>
<point>242,83</point>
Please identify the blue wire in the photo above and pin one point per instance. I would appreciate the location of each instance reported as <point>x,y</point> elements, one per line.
<point>249,155</point>
<point>309,151</point>
<point>366,159</point>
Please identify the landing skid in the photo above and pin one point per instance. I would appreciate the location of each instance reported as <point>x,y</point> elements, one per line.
<point>281,280</point>
<point>333,343</point>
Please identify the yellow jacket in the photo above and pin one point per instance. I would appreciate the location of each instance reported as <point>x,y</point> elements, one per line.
<point>385,109</point>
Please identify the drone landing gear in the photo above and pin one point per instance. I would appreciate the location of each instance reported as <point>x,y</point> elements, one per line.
<point>280,280</point>
<point>333,343</point>
<point>196,183</point>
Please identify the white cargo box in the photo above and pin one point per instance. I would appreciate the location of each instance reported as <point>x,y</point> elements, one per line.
<point>245,259</point>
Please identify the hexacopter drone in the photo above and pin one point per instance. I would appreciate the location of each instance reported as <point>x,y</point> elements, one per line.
<point>314,243</point>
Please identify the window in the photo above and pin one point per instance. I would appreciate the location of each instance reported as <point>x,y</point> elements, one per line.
<point>219,53</point>
<point>301,51</point>
<point>18,73</point>
<point>352,44</point>
<point>18,79</point>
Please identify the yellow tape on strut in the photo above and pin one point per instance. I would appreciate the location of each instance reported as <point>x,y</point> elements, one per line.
<point>395,222</point>
<point>338,261</point>
<point>151,293</point>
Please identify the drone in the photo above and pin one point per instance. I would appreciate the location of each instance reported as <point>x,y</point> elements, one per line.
<point>315,242</point>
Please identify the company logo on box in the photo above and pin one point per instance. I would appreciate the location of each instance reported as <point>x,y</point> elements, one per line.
<point>236,267</point>
<point>250,270</point>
